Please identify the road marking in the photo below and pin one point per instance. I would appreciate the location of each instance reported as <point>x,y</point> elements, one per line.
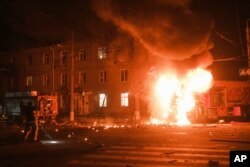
<point>172,154</point>
<point>172,149</point>
<point>179,133</point>
<point>119,164</point>
<point>136,156</point>
<point>150,160</point>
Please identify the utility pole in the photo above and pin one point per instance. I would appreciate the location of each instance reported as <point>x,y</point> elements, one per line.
<point>53,69</point>
<point>72,79</point>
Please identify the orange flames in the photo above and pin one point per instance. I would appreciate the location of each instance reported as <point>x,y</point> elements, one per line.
<point>173,96</point>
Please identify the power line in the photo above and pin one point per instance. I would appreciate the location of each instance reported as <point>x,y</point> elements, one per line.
<point>225,38</point>
<point>236,58</point>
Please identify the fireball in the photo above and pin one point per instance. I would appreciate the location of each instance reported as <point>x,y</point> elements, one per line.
<point>174,96</point>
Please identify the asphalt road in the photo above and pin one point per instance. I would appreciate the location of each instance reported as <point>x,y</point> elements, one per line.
<point>124,145</point>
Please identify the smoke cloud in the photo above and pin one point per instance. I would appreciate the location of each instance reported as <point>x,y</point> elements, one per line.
<point>168,29</point>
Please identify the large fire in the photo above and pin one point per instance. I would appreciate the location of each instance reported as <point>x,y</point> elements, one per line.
<point>175,96</point>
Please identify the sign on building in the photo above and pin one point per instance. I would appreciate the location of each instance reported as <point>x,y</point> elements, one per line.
<point>244,71</point>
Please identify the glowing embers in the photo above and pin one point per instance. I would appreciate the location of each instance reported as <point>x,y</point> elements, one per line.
<point>174,96</point>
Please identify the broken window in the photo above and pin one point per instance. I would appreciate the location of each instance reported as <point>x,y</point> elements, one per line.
<point>102,53</point>
<point>102,100</point>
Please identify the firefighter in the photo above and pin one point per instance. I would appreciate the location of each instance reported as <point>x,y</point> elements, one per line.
<point>31,124</point>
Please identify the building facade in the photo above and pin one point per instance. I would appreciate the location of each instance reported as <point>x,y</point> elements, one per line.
<point>102,79</point>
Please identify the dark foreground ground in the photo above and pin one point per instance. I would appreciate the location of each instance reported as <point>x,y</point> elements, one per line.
<point>127,145</point>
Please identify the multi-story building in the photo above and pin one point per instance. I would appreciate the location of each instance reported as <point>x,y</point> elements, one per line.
<point>104,80</point>
<point>102,77</point>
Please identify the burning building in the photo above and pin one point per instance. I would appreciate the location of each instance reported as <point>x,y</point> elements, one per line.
<point>179,47</point>
<point>155,68</point>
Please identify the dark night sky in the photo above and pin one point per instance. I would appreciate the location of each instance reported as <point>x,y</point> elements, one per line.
<point>28,23</point>
<point>229,35</point>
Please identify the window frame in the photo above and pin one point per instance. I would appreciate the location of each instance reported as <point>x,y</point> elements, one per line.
<point>64,79</point>
<point>45,79</point>
<point>82,55</point>
<point>103,76</point>
<point>64,57</point>
<point>29,80</point>
<point>124,96</point>
<point>102,53</point>
<point>124,75</point>
<point>102,100</point>
<point>82,77</point>
<point>45,58</point>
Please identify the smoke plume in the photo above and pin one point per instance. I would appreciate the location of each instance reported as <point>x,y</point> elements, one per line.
<point>168,29</point>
